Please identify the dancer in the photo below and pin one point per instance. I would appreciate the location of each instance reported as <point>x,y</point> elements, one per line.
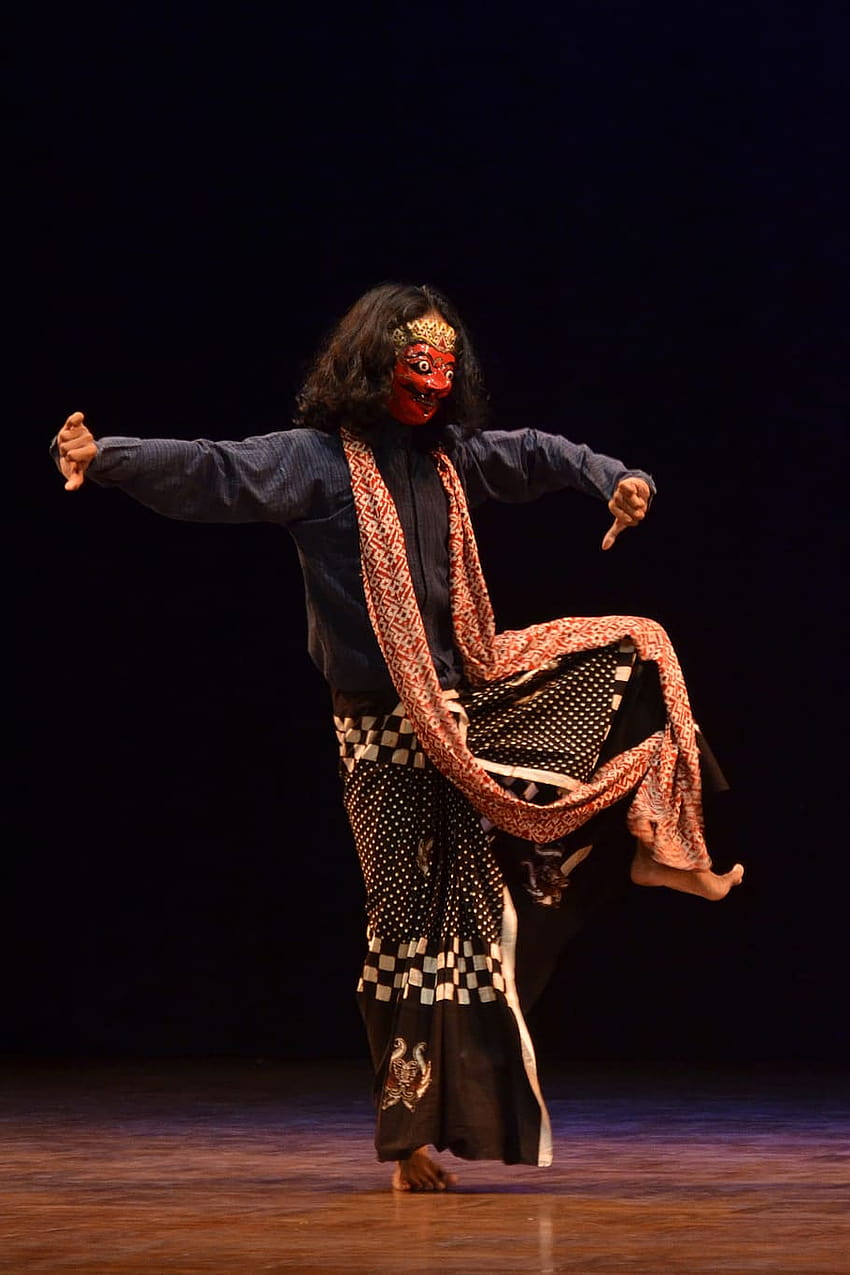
<point>482,772</point>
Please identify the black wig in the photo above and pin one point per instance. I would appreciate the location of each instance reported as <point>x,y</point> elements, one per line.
<point>349,382</point>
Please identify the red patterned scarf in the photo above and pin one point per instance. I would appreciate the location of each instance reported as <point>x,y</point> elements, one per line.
<point>662,771</point>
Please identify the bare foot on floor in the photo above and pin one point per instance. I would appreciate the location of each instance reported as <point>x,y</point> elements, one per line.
<point>706,884</point>
<point>420,1173</point>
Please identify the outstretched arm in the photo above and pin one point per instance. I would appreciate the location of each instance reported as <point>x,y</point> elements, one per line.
<point>520,465</point>
<point>272,478</point>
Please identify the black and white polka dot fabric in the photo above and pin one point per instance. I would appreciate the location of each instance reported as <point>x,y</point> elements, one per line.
<point>431,879</point>
<point>551,722</point>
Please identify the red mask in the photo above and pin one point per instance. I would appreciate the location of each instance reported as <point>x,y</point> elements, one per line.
<point>422,376</point>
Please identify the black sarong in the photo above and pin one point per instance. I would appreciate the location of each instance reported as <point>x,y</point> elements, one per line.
<point>464,922</point>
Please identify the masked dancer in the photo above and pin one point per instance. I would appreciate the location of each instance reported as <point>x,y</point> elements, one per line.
<point>485,775</point>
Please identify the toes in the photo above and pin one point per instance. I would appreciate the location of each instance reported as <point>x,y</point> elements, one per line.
<point>431,1179</point>
<point>420,1173</point>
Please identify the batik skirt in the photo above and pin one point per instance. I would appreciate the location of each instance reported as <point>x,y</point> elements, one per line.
<point>464,923</point>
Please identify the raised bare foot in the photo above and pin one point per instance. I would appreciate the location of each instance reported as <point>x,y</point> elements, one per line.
<point>420,1173</point>
<point>704,883</point>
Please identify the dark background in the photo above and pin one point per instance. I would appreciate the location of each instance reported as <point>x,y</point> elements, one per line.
<point>641,211</point>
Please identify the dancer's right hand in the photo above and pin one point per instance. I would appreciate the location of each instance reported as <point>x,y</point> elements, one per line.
<point>77,450</point>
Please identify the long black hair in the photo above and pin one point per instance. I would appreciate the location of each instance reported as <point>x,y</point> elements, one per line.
<point>349,382</point>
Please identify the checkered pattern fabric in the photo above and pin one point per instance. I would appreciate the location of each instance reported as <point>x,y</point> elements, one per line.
<point>460,970</point>
<point>390,738</point>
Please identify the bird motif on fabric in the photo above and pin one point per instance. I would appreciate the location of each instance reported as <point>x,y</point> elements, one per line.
<point>548,872</point>
<point>423,855</point>
<point>407,1078</point>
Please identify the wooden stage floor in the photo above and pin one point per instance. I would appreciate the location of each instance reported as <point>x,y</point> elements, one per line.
<point>190,1168</point>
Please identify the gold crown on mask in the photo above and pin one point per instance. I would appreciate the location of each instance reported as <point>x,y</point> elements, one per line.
<point>435,331</point>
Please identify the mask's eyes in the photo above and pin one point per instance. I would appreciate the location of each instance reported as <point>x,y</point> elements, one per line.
<point>450,374</point>
<point>423,366</point>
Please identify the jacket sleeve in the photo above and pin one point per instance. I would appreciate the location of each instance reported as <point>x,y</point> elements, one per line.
<point>520,465</point>
<point>270,478</point>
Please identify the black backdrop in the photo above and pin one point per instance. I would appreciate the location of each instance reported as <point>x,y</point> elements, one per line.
<point>641,212</point>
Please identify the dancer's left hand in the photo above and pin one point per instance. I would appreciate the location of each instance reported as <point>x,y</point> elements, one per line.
<point>628,505</point>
